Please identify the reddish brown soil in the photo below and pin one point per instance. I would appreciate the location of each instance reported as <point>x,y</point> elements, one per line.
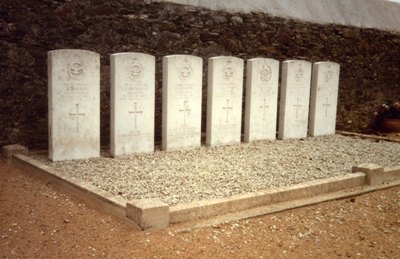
<point>38,222</point>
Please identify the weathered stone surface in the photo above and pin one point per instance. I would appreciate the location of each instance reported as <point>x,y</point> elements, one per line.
<point>182,85</point>
<point>294,99</point>
<point>74,104</point>
<point>261,99</point>
<point>375,173</point>
<point>370,70</point>
<point>224,101</point>
<point>323,102</point>
<point>148,213</point>
<point>132,103</point>
<point>9,150</point>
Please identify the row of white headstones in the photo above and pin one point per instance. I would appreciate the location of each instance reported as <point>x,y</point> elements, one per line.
<point>74,101</point>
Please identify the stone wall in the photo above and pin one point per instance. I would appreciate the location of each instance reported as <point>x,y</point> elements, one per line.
<point>378,14</point>
<point>369,58</point>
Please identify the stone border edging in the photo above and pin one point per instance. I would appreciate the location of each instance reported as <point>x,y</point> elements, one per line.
<point>366,136</point>
<point>210,208</point>
<point>86,192</point>
<point>282,206</point>
<point>247,205</point>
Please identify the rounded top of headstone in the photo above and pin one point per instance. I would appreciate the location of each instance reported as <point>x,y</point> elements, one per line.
<point>261,59</point>
<point>182,56</point>
<point>297,61</point>
<point>330,70</point>
<point>327,63</point>
<point>132,54</point>
<point>232,58</point>
<point>73,51</point>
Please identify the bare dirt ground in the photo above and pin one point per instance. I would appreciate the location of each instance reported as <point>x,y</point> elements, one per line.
<point>38,222</point>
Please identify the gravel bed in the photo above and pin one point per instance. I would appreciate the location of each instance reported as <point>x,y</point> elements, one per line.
<point>214,172</point>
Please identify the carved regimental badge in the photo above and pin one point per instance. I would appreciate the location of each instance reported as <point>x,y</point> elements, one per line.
<point>134,69</point>
<point>329,73</point>
<point>185,70</point>
<point>299,74</point>
<point>76,68</point>
<point>228,70</point>
<point>265,73</point>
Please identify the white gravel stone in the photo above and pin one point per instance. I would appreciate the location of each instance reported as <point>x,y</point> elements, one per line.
<point>215,172</point>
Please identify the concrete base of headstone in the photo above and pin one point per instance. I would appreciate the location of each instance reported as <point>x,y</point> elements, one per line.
<point>148,213</point>
<point>9,151</point>
<point>375,173</point>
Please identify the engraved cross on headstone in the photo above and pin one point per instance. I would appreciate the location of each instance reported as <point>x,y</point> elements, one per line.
<point>136,112</point>
<point>326,105</point>
<point>76,116</point>
<point>297,105</point>
<point>227,108</point>
<point>264,107</point>
<point>186,110</point>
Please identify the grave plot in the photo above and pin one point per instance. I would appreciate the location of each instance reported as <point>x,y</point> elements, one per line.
<point>193,181</point>
<point>184,176</point>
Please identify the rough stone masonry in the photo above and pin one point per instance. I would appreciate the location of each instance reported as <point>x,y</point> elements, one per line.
<point>369,58</point>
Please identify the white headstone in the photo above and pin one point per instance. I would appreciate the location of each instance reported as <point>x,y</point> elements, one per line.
<point>294,99</point>
<point>224,100</point>
<point>324,95</point>
<point>74,104</point>
<point>132,103</point>
<point>261,99</point>
<point>181,102</point>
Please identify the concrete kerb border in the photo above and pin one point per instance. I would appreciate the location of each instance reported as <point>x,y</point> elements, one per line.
<point>90,194</point>
<point>366,136</point>
<point>152,213</point>
<point>210,208</point>
<point>282,206</point>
